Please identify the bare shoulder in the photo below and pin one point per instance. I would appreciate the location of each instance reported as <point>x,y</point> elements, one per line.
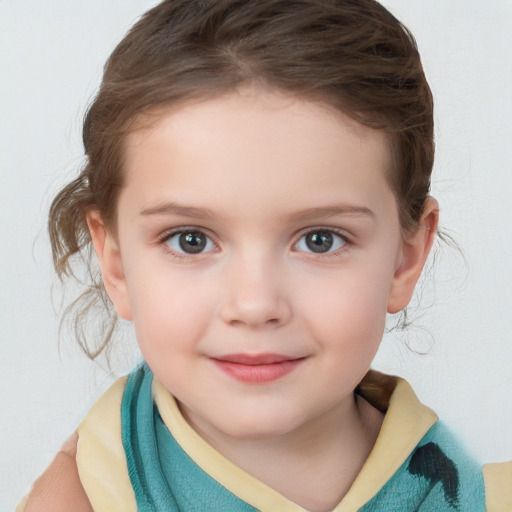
<point>59,487</point>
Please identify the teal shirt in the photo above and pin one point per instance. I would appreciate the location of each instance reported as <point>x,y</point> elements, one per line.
<point>437,476</point>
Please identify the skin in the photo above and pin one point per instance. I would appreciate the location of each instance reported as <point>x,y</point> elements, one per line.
<point>280,168</point>
<point>59,489</point>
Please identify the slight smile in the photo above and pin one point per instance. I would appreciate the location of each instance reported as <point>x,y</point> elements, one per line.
<point>257,368</point>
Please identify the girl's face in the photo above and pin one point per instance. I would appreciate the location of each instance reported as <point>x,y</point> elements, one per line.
<point>257,252</point>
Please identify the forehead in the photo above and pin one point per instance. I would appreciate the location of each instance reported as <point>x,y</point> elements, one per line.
<point>255,146</point>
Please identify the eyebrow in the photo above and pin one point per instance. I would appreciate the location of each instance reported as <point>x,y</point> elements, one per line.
<point>172,208</point>
<point>332,211</point>
<point>308,214</point>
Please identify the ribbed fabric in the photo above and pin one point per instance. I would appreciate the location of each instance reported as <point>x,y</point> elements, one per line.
<point>163,476</point>
<point>437,476</point>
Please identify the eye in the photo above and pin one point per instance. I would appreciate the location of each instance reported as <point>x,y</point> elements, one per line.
<point>320,241</point>
<point>190,242</point>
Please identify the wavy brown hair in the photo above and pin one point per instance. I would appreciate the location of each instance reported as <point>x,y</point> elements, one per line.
<point>350,54</point>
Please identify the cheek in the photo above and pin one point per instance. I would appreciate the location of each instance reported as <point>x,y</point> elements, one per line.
<point>170,310</point>
<point>349,309</point>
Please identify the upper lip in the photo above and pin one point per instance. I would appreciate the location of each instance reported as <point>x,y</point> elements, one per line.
<point>255,359</point>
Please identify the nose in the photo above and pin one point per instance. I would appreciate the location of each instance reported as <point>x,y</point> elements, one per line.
<point>255,295</point>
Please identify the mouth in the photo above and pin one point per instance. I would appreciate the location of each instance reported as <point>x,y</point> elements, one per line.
<point>257,368</point>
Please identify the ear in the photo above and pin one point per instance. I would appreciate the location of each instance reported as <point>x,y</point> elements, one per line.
<point>413,255</point>
<point>109,256</point>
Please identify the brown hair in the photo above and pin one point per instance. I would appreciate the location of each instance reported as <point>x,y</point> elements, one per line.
<point>350,54</point>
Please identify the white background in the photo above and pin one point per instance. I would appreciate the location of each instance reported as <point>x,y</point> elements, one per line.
<point>51,55</point>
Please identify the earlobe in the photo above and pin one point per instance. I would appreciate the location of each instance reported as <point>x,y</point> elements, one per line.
<point>109,256</point>
<point>414,253</point>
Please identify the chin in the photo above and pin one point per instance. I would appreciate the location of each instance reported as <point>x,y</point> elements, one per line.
<point>259,427</point>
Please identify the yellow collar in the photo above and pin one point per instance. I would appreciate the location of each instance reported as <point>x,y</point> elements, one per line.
<point>405,423</point>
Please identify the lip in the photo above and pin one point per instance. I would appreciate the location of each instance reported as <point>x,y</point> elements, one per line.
<point>257,368</point>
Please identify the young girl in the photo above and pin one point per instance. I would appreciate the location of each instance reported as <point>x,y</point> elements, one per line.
<point>257,194</point>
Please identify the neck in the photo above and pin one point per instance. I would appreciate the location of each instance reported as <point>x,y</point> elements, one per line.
<point>315,465</point>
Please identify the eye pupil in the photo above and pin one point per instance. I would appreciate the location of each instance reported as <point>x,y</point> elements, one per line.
<point>320,241</point>
<point>193,242</point>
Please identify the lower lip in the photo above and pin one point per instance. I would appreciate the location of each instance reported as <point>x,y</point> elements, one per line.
<point>258,373</point>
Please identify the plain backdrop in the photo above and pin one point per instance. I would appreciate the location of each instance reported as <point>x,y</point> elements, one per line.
<point>51,56</point>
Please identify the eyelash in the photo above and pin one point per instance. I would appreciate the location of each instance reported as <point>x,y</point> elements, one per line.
<point>165,237</point>
<point>331,253</point>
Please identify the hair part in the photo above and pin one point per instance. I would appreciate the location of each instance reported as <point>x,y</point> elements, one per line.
<point>352,55</point>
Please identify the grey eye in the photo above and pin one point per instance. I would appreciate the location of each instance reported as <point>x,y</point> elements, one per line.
<point>190,242</point>
<point>320,241</point>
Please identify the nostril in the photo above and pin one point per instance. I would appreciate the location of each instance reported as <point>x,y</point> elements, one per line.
<point>238,313</point>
